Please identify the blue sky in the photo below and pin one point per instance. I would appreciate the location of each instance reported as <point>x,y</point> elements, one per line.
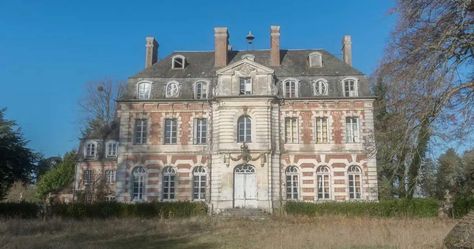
<point>49,50</point>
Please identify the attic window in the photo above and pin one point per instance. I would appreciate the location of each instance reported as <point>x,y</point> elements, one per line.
<point>178,62</point>
<point>315,59</point>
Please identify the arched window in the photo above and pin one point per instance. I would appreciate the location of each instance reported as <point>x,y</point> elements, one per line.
<point>143,90</point>
<point>315,59</point>
<point>172,89</point>
<point>355,181</point>
<point>138,183</point>
<point>349,86</point>
<point>320,87</point>
<point>178,62</point>
<point>323,182</point>
<point>292,186</point>
<point>199,183</point>
<point>244,127</point>
<point>201,90</point>
<point>169,181</point>
<point>290,88</point>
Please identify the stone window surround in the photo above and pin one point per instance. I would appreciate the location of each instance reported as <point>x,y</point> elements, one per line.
<point>173,61</point>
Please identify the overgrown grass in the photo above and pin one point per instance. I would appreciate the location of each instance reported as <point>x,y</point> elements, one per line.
<point>385,208</point>
<point>203,232</point>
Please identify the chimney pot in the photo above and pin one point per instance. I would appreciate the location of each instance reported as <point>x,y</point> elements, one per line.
<point>275,46</point>
<point>151,56</point>
<point>347,49</point>
<point>221,46</point>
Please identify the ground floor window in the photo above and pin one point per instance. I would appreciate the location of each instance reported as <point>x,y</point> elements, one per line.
<point>199,183</point>
<point>138,186</point>
<point>322,181</point>
<point>292,185</point>
<point>355,181</point>
<point>169,177</point>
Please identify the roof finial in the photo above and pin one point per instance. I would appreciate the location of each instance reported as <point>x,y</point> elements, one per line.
<point>249,39</point>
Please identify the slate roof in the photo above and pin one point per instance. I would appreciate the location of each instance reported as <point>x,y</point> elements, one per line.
<point>200,64</point>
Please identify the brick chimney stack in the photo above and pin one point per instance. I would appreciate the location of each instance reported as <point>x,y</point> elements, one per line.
<point>275,46</point>
<point>347,49</point>
<point>221,44</point>
<point>151,56</point>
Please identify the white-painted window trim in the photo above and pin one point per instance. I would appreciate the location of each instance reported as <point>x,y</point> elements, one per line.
<point>172,89</point>
<point>291,130</point>
<point>169,184</point>
<point>322,172</point>
<point>292,178</point>
<point>111,148</point>
<point>354,172</point>
<point>244,129</point>
<point>201,89</point>
<point>144,89</point>
<point>353,91</point>
<point>175,60</point>
<point>90,149</point>
<point>352,124</point>
<point>316,56</point>
<point>199,183</point>
<point>200,130</point>
<point>245,85</point>
<point>320,130</point>
<point>317,85</point>
<point>140,131</point>
<point>292,93</point>
<point>139,178</point>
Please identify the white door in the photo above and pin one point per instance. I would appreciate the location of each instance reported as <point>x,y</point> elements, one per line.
<point>245,186</point>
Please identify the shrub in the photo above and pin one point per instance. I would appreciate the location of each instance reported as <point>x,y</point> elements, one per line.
<point>19,210</point>
<point>385,208</point>
<point>462,205</point>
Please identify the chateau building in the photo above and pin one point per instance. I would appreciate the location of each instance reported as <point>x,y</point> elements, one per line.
<point>248,129</point>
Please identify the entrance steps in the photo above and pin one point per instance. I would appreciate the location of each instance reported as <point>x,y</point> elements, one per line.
<point>249,213</point>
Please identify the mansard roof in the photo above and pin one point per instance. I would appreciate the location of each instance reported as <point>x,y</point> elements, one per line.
<point>200,64</point>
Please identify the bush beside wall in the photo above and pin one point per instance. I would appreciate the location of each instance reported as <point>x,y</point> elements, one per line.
<point>385,208</point>
<point>104,210</point>
<point>462,206</point>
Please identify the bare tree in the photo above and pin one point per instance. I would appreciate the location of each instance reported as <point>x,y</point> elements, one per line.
<point>428,75</point>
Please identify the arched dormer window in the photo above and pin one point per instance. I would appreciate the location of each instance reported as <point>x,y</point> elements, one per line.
<point>320,87</point>
<point>292,183</point>
<point>172,89</point>
<point>178,62</point>
<point>244,129</point>
<point>315,59</point>
<point>201,90</point>
<point>143,90</point>
<point>350,87</point>
<point>290,88</point>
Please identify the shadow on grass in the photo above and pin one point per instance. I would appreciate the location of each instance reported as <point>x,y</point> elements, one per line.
<point>149,242</point>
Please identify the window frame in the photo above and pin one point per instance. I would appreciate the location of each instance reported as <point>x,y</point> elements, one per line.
<point>139,180</point>
<point>294,131</point>
<point>199,190</point>
<point>296,88</point>
<point>317,130</point>
<point>169,184</point>
<point>203,85</point>
<point>243,85</point>
<point>292,178</point>
<point>178,89</point>
<point>355,91</point>
<point>323,171</point>
<point>87,176</point>
<point>174,60</point>
<point>146,95</point>
<point>317,83</point>
<point>354,173</point>
<point>110,176</point>
<point>352,135</point>
<point>87,153</point>
<point>143,137</point>
<point>200,134</point>
<point>313,54</point>
<point>107,148</point>
<point>246,121</point>
<point>170,136</point>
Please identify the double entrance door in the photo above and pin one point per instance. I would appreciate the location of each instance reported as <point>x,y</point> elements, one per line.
<point>245,186</point>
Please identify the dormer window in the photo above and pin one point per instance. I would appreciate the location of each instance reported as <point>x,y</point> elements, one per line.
<point>90,150</point>
<point>315,59</point>
<point>112,148</point>
<point>290,88</point>
<point>144,90</point>
<point>349,86</point>
<point>320,87</point>
<point>172,89</point>
<point>245,86</point>
<point>201,90</point>
<point>178,62</point>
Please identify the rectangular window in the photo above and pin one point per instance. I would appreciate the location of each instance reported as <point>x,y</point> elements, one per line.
<point>292,187</point>
<point>141,126</point>
<point>200,131</point>
<point>291,130</point>
<point>322,130</point>
<point>110,176</point>
<point>87,176</point>
<point>170,130</point>
<point>350,88</point>
<point>199,187</point>
<point>90,150</point>
<point>352,130</point>
<point>354,187</point>
<point>168,187</point>
<point>245,86</point>
<point>290,88</point>
<point>323,186</point>
<point>112,149</point>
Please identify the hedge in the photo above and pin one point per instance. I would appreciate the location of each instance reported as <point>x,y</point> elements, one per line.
<point>105,210</point>
<point>384,208</point>
<point>462,206</point>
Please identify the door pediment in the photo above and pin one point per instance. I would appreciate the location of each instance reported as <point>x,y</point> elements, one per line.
<point>244,67</point>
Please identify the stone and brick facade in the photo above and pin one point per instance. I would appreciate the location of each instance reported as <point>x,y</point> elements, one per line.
<point>248,129</point>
